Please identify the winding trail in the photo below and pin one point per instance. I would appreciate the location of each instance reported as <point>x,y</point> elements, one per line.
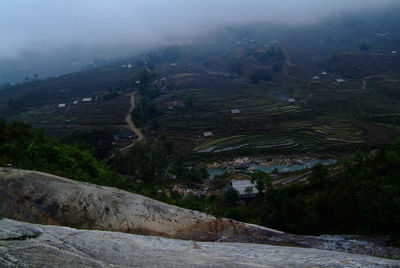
<point>129,120</point>
<point>131,126</point>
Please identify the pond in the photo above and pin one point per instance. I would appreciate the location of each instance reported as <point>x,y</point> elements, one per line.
<point>293,167</point>
<point>281,168</point>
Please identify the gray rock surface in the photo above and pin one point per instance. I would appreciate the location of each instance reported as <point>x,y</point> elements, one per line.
<point>30,245</point>
<point>37,197</point>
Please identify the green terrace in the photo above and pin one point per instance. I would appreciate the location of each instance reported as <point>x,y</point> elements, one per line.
<point>266,120</point>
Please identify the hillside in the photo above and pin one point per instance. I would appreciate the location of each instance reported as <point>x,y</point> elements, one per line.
<point>255,69</point>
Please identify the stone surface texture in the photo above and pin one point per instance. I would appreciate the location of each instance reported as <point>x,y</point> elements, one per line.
<point>31,245</point>
<point>36,197</point>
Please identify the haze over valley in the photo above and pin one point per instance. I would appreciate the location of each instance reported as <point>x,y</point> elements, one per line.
<point>236,126</point>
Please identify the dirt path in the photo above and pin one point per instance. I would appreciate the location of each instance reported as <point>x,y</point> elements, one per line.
<point>131,126</point>
<point>129,120</point>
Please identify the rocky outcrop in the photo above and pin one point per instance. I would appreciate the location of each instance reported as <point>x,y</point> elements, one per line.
<point>38,197</point>
<point>30,245</point>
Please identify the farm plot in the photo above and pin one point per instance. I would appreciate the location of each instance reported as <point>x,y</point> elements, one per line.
<point>301,136</point>
<point>245,142</point>
<point>334,133</point>
<point>82,116</point>
<point>265,121</point>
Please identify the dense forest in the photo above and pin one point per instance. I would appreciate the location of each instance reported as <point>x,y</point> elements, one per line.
<point>22,147</point>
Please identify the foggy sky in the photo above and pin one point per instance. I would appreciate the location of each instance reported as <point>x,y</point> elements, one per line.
<point>46,25</point>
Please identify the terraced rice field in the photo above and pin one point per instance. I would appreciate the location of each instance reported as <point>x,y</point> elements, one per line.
<point>308,136</point>
<point>266,121</point>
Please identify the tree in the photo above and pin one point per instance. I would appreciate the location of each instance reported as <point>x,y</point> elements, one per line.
<point>237,67</point>
<point>231,196</point>
<point>144,76</point>
<point>259,75</point>
<point>189,101</point>
<point>277,67</point>
<point>145,160</point>
<point>144,112</point>
<point>319,174</point>
<point>262,180</point>
<point>363,46</point>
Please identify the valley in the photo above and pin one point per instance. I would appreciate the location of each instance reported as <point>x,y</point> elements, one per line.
<point>291,128</point>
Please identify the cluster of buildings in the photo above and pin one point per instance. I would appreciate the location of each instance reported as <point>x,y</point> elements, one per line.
<point>317,77</point>
<point>84,100</point>
<point>129,66</point>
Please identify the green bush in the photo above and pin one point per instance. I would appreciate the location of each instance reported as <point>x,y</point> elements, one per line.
<point>28,149</point>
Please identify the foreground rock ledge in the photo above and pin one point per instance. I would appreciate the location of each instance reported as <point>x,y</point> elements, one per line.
<point>31,245</point>
<point>37,197</point>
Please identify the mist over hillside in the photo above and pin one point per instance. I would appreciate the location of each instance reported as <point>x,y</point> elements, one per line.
<point>66,37</point>
<point>240,116</point>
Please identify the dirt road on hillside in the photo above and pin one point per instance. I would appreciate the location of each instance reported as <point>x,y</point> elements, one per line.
<point>129,120</point>
<point>131,126</point>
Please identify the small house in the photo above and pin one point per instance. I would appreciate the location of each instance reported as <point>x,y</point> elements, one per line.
<point>126,135</point>
<point>316,78</point>
<point>394,52</point>
<point>137,82</point>
<point>245,188</point>
<point>173,64</point>
<point>340,81</point>
<point>61,105</point>
<point>129,66</point>
<point>291,101</point>
<point>208,134</point>
<point>324,73</point>
<point>75,102</point>
<point>86,99</point>
<point>235,111</point>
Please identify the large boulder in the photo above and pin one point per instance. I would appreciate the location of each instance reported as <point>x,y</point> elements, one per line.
<point>30,245</point>
<point>37,197</point>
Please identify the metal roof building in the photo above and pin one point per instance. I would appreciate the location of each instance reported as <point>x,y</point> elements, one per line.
<point>208,134</point>
<point>244,187</point>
